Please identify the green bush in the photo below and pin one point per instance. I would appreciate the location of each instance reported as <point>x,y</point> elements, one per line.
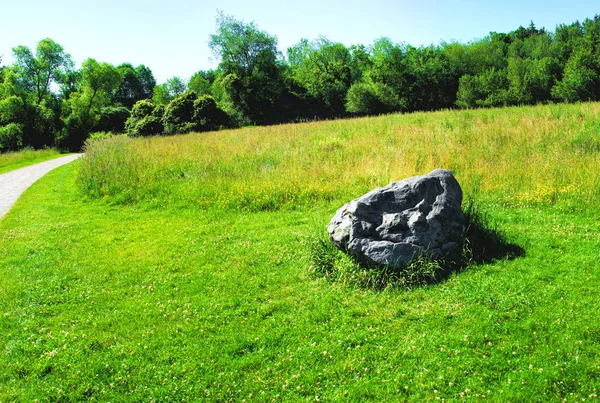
<point>145,120</point>
<point>488,89</point>
<point>372,99</point>
<point>11,137</point>
<point>188,112</point>
<point>112,119</point>
<point>362,99</point>
<point>141,109</point>
<point>580,81</point>
<point>148,126</point>
<point>208,116</point>
<point>158,112</point>
<point>76,131</point>
<point>179,114</point>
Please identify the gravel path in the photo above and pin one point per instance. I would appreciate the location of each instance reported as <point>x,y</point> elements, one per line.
<point>14,183</point>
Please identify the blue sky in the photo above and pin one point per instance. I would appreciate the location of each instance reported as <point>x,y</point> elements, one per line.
<point>171,37</point>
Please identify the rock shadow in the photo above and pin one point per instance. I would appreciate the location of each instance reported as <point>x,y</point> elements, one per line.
<point>484,243</point>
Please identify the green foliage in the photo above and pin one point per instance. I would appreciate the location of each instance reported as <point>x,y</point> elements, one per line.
<point>361,62</point>
<point>48,66</point>
<point>255,85</point>
<point>188,112</point>
<point>78,125</point>
<point>11,109</point>
<point>488,89</point>
<point>533,66</point>
<point>581,81</point>
<point>388,64</point>
<point>138,83</point>
<point>160,95</point>
<point>70,84</point>
<point>99,82</point>
<point>242,47</point>
<point>28,124</point>
<point>112,119</point>
<point>362,99</point>
<point>201,82</point>
<point>147,126</point>
<point>179,114</point>
<point>164,93</point>
<point>28,106</point>
<point>145,120</point>
<point>324,69</point>
<point>82,111</point>
<point>430,83</point>
<point>142,109</point>
<point>470,92</point>
<point>531,80</point>
<point>251,74</point>
<point>11,137</point>
<point>372,99</point>
<point>208,116</point>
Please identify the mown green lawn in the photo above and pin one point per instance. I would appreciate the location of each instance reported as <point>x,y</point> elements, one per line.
<point>133,302</point>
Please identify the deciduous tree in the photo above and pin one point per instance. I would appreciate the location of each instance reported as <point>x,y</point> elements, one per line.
<point>251,72</point>
<point>324,69</point>
<point>48,66</point>
<point>138,83</point>
<point>164,93</point>
<point>81,112</point>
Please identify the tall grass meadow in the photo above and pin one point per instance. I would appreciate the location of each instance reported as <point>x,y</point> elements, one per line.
<point>516,156</point>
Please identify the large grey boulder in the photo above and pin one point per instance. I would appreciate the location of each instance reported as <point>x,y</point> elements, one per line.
<point>390,226</point>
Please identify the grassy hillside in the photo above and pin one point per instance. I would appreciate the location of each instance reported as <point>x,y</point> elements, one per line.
<point>177,269</point>
<point>519,155</point>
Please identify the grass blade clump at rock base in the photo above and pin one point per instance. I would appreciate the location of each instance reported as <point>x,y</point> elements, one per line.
<point>484,243</point>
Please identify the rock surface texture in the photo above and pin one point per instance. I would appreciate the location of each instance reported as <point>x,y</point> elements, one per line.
<point>389,226</point>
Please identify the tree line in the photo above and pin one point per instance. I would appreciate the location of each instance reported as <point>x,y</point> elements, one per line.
<point>45,101</point>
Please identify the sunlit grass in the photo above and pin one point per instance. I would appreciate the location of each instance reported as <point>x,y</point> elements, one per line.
<point>15,160</point>
<point>520,156</point>
<point>167,283</point>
